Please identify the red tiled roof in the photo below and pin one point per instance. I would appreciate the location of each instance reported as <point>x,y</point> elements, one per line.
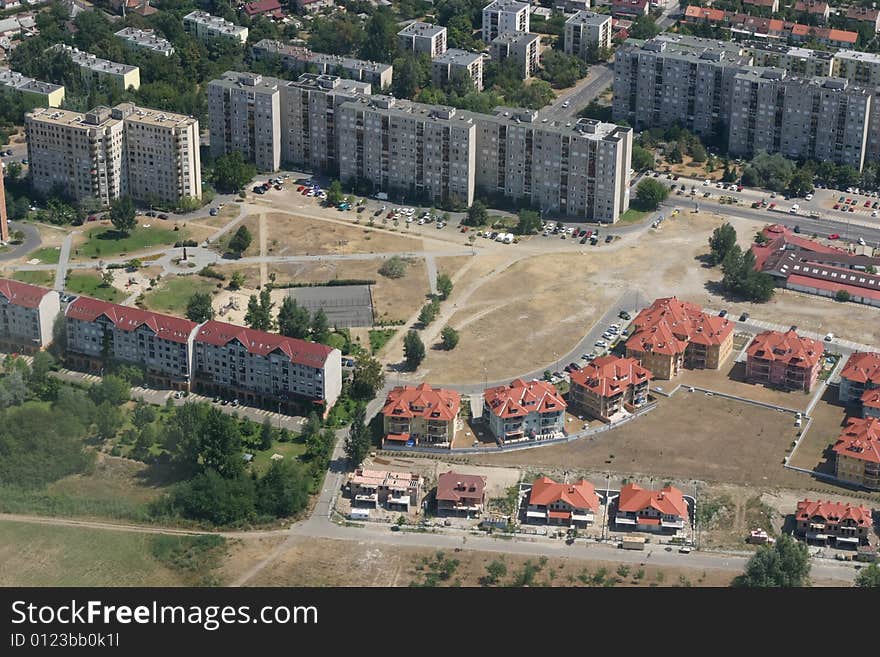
<point>842,36</point>
<point>609,375</point>
<point>453,486</point>
<point>125,318</point>
<point>648,521</point>
<point>760,3</point>
<point>833,513</point>
<point>422,401</point>
<point>261,7</point>
<point>668,501</point>
<point>871,398</point>
<point>860,439</point>
<point>832,286</point>
<point>580,495</point>
<point>780,237</point>
<point>397,437</point>
<point>704,13</point>
<point>668,324</point>
<point>786,347</point>
<point>559,515</point>
<point>22,294</point>
<point>520,398</point>
<point>261,343</point>
<point>862,366</point>
<point>811,6</point>
<point>862,14</point>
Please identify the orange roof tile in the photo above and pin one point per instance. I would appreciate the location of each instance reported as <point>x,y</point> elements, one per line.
<point>668,500</point>
<point>871,398</point>
<point>125,318</point>
<point>705,13</point>
<point>580,495</point>
<point>668,324</point>
<point>609,375</point>
<point>454,486</point>
<point>833,513</point>
<point>521,398</point>
<point>860,440</point>
<point>786,347</point>
<point>422,401</point>
<point>842,36</point>
<point>862,367</point>
<point>22,294</point>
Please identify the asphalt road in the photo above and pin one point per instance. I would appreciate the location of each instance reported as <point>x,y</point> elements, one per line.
<point>31,241</point>
<point>599,78</point>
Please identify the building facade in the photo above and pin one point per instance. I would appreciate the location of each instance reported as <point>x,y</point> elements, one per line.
<point>844,525</point>
<point>51,95</point>
<point>587,31</point>
<point>99,332</point>
<point>455,62</point>
<point>4,223</point>
<point>123,76</point>
<point>27,315</point>
<point>266,369</point>
<point>244,111</point>
<point>571,505</point>
<point>297,58</point>
<point>523,410</point>
<point>645,510</point>
<point>502,16</point>
<point>396,491</point>
<point>145,40</point>
<point>608,385</point>
<point>403,147</point>
<point>461,494</point>
<point>857,453</point>
<point>801,62</point>
<point>421,37</point>
<point>524,48</point>
<point>421,415</point>
<point>206,26</point>
<point>786,360</point>
<point>670,335</point>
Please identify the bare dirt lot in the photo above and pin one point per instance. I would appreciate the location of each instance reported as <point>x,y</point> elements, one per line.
<point>688,435</point>
<point>828,419</point>
<point>252,223</point>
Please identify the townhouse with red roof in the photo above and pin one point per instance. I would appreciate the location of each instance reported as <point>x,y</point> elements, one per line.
<point>396,491</point>
<point>860,382</point>
<point>785,359</point>
<point>421,415</point>
<point>524,410</point>
<point>844,525</point>
<point>99,331</point>
<point>27,316</point>
<point>864,15</point>
<point>553,503</point>
<point>608,385</point>
<point>646,510</point>
<point>857,452</point>
<point>266,369</point>
<point>460,494</point>
<point>268,8</point>
<point>772,5</point>
<point>630,7</point>
<point>814,8</point>
<point>671,334</point>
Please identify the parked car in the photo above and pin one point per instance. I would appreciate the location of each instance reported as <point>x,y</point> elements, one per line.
<point>574,367</point>
<point>834,236</point>
<point>829,337</point>
<point>809,197</point>
<point>723,313</point>
<point>744,317</point>
<point>609,238</point>
<point>163,216</point>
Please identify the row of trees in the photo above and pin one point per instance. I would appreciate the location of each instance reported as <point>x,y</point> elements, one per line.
<point>738,266</point>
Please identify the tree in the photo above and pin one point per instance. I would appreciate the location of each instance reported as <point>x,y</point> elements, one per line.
<point>429,312</point>
<point>368,377</point>
<point>266,435</point>
<point>842,295</point>
<point>784,564</point>
<point>232,172</point>
<point>143,414</point>
<point>560,69</point>
<point>112,389</point>
<point>869,578</point>
<point>650,194</point>
<point>801,182</point>
<point>444,285</point>
<point>476,215</point>
<point>220,444</point>
<point>642,158</point>
<point>240,241</point>
<point>122,215</point>
<point>449,337</point>
<point>357,444</point>
<point>334,193</point>
<point>259,311</point>
<point>494,572</point>
<point>722,241</point>
<point>106,278</point>
<point>283,490</point>
<point>413,350</point>
<point>529,223</point>
<point>698,152</point>
<point>380,43</point>
<point>770,171</point>
<point>108,420</point>
<point>212,497</point>
<point>293,319</point>
<point>199,308</point>
<point>236,281</point>
<point>393,267</point>
<point>320,327</point>
<point>644,27</point>
<point>145,440</point>
<point>675,156</point>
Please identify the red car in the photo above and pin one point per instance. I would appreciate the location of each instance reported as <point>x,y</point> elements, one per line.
<point>300,188</point>
<point>389,215</point>
<point>837,206</point>
<point>848,201</point>
<point>852,209</point>
<point>739,188</point>
<point>589,233</point>
<point>867,204</point>
<point>834,236</point>
<point>771,206</point>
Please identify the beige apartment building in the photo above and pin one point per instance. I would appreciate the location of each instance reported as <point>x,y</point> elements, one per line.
<point>244,115</point>
<point>107,153</point>
<point>145,40</point>
<point>522,47</point>
<point>579,170</point>
<point>123,76</point>
<point>421,37</point>
<point>823,119</point>
<point>412,148</point>
<point>503,16</point>
<point>27,316</point>
<point>454,61</point>
<point>586,30</point>
<point>206,26</point>
<point>51,95</point>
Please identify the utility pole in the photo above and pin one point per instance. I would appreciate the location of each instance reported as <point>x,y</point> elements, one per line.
<point>605,510</point>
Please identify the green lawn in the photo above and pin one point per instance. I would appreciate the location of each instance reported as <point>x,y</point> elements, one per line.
<point>48,255</point>
<point>262,460</point>
<point>35,277</point>
<point>102,242</point>
<point>89,284</point>
<point>378,338</point>
<point>172,294</point>
<point>496,220</point>
<point>632,215</point>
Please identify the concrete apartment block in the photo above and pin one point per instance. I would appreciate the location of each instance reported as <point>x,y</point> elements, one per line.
<point>455,61</point>
<point>425,38</point>
<point>51,95</point>
<point>586,30</point>
<point>523,47</point>
<point>122,75</point>
<point>207,26</point>
<point>146,40</point>
<point>504,16</point>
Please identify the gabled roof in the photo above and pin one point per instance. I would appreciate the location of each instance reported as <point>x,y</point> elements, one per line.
<point>22,294</point>
<point>786,347</point>
<point>668,324</point>
<point>262,7</point>
<point>580,495</point>
<point>668,501</point>
<point>422,401</point>
<point>811,6</point>
<point>860,440</point>
<point>871,398</point>
<point>705,13</point>
<point>520,398</point>
<point>609,375</point>
<point>862,14</point>
<point>454,486</point>
<point>261,343</point>
<point>833,513</point>
<point>862,367</point>
<point>126,318</point>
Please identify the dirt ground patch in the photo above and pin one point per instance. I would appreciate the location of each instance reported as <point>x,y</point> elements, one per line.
<point>688,435</point>
<point>828,419</point>
<point>252,223</point>
<point>346,563</point>
<point>243,553</point>
<point>296,235</point>
<point>451,264</point>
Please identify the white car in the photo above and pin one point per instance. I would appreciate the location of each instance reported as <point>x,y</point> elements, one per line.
<point>794,208</point>
<point>861,241</point>
<point>565,104</point>
<point>809,197</point>
<point>601,344</point>
<point>719,185</point>
<point>707,182</point>
<point>875,214</point>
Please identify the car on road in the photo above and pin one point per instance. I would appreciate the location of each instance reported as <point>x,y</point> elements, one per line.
<point>744,317</point>
<point>771,206</point>
<point>861,241</point>
<point>609,238</point>
<point>707,182</point>
<point>797,229</point>
<point>834,236</point>
<point>722,313</point>
<point>566,103</point>
<point>213,212</point>
<point>809,197</point>
<point>829,337</point>
<point>601,344</point>
<point>164,217</point>
<point>574,367</point>
<point>706,195</point>
<point>794,208</point>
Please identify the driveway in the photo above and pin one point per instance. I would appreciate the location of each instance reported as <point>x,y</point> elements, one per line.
<point>31,241</point>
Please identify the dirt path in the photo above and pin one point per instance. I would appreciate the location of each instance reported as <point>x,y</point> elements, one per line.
<point>264,266</point>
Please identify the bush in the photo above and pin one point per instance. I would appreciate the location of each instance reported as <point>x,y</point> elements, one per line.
<point>843,296</point>
<point>393,267</point>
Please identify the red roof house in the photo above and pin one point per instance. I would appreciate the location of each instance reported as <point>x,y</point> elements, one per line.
<point>414,414</point>
<point>524,409</point>
<point>564,504</point>
<point>461,493</point>
<point>264,8</point>
<point>861,375</point>
<point>22,294</point>
<point>606,384</point>
<point>651,510</point>
<point>784,359</point>
<point>127,318</point>
<point>846,524</point>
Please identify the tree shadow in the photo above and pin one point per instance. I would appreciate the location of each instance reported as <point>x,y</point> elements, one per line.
<point>113,235</point>
<point>705,260</point>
